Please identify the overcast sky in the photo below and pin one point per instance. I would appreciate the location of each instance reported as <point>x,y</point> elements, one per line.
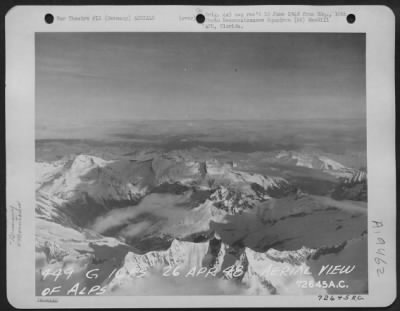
<point>82,78</point>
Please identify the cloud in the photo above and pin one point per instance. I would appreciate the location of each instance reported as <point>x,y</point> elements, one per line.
<point>174,211</point>
<point>132,230</point>
<point>114,219</point>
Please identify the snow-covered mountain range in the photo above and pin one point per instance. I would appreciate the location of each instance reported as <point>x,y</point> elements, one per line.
<point>132,215</point>
<point>322,163</point>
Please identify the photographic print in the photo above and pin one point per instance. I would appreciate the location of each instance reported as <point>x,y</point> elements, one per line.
<point>200,164</point>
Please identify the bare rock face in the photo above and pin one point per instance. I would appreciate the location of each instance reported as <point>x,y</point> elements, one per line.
<point>351,191</point>
<point>353,188</point>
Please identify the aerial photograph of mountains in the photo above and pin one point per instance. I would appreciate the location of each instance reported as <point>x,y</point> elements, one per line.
<point>200,164</point>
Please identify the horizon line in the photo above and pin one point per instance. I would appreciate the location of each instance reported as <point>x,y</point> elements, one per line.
<point>216,119</point>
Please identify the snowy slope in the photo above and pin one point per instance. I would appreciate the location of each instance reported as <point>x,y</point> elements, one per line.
<point>183,261</point>
<point>321,163</point>
<point>128,180</point>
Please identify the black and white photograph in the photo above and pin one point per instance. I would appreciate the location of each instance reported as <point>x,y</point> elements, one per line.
<point>200,164</point>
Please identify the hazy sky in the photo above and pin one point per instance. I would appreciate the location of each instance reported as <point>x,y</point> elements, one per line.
<point>82,77</point>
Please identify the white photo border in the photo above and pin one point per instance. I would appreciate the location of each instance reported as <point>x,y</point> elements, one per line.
<point>22,22</point>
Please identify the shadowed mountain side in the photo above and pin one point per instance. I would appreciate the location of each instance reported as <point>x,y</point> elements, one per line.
<point>290,223</point>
